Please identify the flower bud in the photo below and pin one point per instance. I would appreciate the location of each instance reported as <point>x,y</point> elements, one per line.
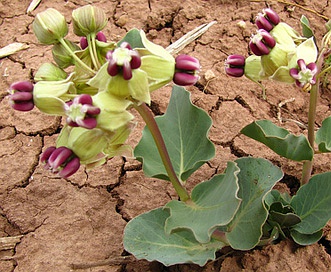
<point>88,19</point>
<point>50,26</point>
<point>60,160</point>
<point>267,19</point>
<point>21,97</point>
<point>186,70</point>
<point>261,43</point>
<point>100,37</point>
<point>50,72</point>
<point>61,56</point>
<point>304,74</point>
<point>234,65</point>
<point>81,112</point>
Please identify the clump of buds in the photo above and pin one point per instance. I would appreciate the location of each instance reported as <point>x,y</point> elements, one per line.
<point>261,43</point>
<point>304,75</point>
<point>60,160</point>
<point>100,37</point>
<point>81,112</point>
<point>122,60</point>
<point>186,70</point>
<point>267,19</point>
<point>21,96</point>
<point>235,65</point>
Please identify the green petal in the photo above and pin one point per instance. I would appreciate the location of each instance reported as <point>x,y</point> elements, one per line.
<point>138,86</point>
<point>154,48</point>
<point>107,101</point>
<point>113,120</point>
<point>157,68</point>
<point>101,79</point>
<point>282,74</point>
<point>87,143</point>
<point>50,105</point>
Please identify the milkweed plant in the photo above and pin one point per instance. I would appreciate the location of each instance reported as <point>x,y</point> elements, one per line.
<point>96,84</point>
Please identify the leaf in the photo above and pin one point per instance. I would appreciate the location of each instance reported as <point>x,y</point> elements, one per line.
<point>306,30</point>
<point>306,239</point>
<point>280,140</point>
<point>256,179</point>
<point>323,136</point>
<point>213,203</point>
<point>184,128</point>
<point>133,38</point>
<point>313,204</point>
<point>145,238</point>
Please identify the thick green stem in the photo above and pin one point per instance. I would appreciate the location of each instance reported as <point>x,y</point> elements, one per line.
<point>88,69</point>
<point>148,117</point>
<point>308,165</point>
<point>314,92</point>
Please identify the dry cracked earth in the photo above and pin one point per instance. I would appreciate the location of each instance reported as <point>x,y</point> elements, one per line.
<point>52,224</point>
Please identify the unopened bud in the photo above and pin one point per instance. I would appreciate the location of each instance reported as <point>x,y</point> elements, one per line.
<point>88,19</point>
<point>234,65</point>
<point>50,26</point>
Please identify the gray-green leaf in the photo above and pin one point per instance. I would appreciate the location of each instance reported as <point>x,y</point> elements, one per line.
<point>313,204</point>
<point>184,128</point>
<point>145,238</point>
<point>256,179</point>
<point>323,136</point>
<point>213,203</point>
<point>280,140</point>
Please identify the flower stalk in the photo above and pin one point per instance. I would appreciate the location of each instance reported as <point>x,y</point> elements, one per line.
<point>146,114</point>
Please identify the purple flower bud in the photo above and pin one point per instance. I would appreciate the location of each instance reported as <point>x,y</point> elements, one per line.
<point>47,153</point>
<point>267,19</point>
<point>61,160</point>
<point>186,70</point>
<point>261,43</point>
<point>81,112</point>
<point>234,65</point>
<point>185,79</point>
<point>122,60</point>
<point>70,168</point>
<point>101,37</point>
<point>21,97</point>
<point>83,43</point>
<point>304,74</point>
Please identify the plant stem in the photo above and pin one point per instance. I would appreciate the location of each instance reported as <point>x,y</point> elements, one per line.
<point>93,50</point>
<point>308,165</point>
<point>78,60</point>
<point>148,117</point>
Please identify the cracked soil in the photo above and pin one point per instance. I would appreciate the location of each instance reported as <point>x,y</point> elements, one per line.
<point>77,224</point>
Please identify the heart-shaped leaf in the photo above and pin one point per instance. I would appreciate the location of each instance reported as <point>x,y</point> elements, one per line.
<point>323,136</point>
<point>256,179</point>
<point>213,203</point>
<point>312,203</point>
<point>184,128</point>
<point>145,238</point>
<point>280,140</point>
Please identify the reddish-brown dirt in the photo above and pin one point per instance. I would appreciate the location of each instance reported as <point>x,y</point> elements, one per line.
<point>81,220</point>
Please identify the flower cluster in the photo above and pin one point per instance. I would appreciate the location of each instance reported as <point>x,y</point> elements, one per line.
<point>279,53</point>
<point>105,81</point>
